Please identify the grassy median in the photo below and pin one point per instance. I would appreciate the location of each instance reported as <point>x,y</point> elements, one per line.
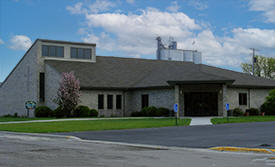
<point>91,125</point>
<point>242,119</point>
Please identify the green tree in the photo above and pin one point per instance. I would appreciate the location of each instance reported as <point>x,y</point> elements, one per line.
<point>264,67</point>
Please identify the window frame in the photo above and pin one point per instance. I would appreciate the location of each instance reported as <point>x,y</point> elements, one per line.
<point>110,101</point>
<point>46,48</point>
<point>83,51</point>
<point>41,86</point>
<point>100,101</point>
<point>119,103</point>
<point>243,99</point>
<point>144,100</point>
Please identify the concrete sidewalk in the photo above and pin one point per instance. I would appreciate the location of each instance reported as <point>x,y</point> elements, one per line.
<point>200,121</point>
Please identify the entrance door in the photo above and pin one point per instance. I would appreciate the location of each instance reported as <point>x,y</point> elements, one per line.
<point>201,104</point>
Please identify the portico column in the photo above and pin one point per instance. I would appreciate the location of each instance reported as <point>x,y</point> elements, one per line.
<point>224,99</point>
<point>177,98</point>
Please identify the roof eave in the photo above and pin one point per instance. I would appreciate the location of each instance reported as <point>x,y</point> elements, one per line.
<point>197,82</point>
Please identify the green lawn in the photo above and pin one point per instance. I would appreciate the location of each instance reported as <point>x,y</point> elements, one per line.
<point>242,119</point>
<point>91,125</point>
<point>9,119</point>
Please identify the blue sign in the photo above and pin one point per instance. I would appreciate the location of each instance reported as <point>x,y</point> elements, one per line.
<point>176,107</point>
<point>227,107</point>
<point>30,105</point>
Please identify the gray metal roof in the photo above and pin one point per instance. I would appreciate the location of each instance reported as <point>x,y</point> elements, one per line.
<point>131,73</point>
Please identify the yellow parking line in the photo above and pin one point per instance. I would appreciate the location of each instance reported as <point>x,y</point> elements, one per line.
<point>244,149</point>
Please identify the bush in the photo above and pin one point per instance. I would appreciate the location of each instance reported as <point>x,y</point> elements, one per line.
<point>152,112</point>
<point>230,112</point>
<point>82,111</point>
<point>60,113</point>
<point>149,111</point>
<point>268,108</point>
<point>165,112</point>
<point>253,111</point>
<point>42,111</point>
<point>136,114</point>
<point>238,112</point>
<point>269,105</point>
<point>94,113</point>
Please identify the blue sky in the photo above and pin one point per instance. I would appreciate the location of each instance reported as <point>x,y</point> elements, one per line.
<point>222,30</point>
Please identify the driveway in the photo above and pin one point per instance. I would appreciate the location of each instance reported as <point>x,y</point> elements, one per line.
<point>242,135</point>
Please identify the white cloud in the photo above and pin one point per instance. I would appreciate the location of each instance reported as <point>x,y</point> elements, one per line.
<point>265,6</point>
<point>1,41</point>
<point>197,4</point>
<point>130,1</point>
<point>96,7</point>
<point>76,9</point>
<point>134,35</point>
<point>174,7</point>
<point>20,42</point>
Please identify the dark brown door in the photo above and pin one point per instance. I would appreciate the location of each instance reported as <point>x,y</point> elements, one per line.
<point>201,104</point>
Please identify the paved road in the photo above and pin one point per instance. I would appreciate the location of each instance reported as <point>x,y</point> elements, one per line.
<point>32,151</point>
<point>244,135</point>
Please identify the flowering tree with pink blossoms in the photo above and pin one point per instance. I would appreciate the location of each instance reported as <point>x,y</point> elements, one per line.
<point>68,93</point>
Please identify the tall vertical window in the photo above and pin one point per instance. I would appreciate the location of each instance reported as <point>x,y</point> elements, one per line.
<point>100,101</point>
<point>242,99</point>
<point>52,51</point>
<point>118,101</point>
<point>144,100</point>
<point>81,53</point>
<point>110,101</point>
<point>42,87</point>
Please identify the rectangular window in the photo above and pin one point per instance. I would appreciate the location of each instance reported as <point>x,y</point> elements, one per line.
<point>110,101</point>
<point>80,53</point>
<point>242,99</point>
<point>144,100</point>
<point>42,87</point>
<point>100,101</point>
<point>118,101</point>
<point>52,51</point>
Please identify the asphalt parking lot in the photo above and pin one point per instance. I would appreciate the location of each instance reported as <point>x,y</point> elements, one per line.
<point>32,150</point>
<point>258,135</point>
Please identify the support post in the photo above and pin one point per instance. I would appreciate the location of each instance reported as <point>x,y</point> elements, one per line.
<point>177,99</point>
<point>224,99</point>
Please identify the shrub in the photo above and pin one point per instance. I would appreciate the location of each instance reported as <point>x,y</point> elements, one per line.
<point>136,114</point>
<point>82,111</point>
<point>15,114</point>
<point>230,112</point>
<point>149,111</point>
<point>238,112</point>
<point>269,105</point>
<point>94,113</point>
<point>164,112</point>
<point>152,112</point>
<point>253,111</point>
<point>268,108</point>
<point>61,113</point>
<point>42,111</point>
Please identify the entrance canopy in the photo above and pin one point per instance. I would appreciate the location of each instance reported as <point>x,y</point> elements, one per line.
<point>201,97</point>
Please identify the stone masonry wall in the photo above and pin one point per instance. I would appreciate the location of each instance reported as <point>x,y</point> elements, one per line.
<point>20,86</point>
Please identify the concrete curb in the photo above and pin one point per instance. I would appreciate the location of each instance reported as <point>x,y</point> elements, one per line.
<point>244,149</point>
<point>80,119</point>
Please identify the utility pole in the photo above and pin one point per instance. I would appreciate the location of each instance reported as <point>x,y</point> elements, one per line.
<point>254,60</point>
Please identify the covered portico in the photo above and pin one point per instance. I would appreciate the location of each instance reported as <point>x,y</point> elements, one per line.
<point>201,97</point>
